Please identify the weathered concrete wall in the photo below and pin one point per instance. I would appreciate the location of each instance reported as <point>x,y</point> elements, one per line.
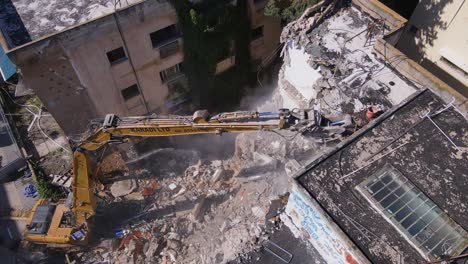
<point>49,71</point>
<point>137,24</point>
<point>400,62</point>
<point>264,48</point>
<point>437,32</point>
<point>307,218</point>
<point>419,75</point>
<point>70,71</point>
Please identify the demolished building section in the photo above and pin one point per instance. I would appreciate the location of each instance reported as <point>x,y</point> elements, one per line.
<point>335,203</point>
<point>333,65</point>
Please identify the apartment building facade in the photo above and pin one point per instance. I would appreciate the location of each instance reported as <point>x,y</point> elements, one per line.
<point>127,61</point>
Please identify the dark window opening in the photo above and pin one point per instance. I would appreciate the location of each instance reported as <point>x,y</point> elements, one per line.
<point>116,56</point>
<point>130,92</point>
<point>257,33</point>
<point>164,36</point>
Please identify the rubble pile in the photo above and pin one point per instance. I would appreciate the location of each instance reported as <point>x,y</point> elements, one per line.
<point>213,211</point>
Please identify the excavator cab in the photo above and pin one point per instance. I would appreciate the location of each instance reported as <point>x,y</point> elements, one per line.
<point>41,219</point>
<point>52,223</point>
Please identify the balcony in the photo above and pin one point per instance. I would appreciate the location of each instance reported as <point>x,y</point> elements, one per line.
<point>169,49</point>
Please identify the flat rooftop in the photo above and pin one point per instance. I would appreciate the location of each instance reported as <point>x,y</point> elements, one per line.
<point>39,18</point>
<point>429,154</point>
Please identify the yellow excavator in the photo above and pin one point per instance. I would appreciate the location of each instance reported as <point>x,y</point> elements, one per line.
<point>66,222</point>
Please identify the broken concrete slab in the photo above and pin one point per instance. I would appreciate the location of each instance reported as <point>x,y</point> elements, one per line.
<point>199,210</point>
<point>172,186</point>
<point>291,167</point>
<point>152,247</point>
<point>122,188</point>
<point>216,176</point>
<point>258,212</point>
<point>259,170</point>
<point>135,196</point>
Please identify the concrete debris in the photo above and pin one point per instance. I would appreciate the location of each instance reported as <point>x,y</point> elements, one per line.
<point>198,210</point>
<point>331,65</point>
<point>151,249</point>
<point>217,175</point>
<point>62,180</point>
<point>137,196</point>
<point>291,167</point>
<point>124,187</point>
<point>205,214</point>
<point>181,191</point>
<point>172,186</point>
<point>258,212</point>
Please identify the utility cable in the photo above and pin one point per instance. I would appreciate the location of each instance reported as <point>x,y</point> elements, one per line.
<point>45,134</point>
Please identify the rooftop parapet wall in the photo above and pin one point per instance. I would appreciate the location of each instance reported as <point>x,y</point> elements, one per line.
<point>410,69</point>
<point>305,217</point>
<point>378,10</point>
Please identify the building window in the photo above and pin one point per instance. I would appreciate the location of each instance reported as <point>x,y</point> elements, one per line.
<point>413,213</point>
<point>130,92</point>
<point>257,33</point>
<point>171,73</point>
<point>116,56</point>
<point>164,36</point>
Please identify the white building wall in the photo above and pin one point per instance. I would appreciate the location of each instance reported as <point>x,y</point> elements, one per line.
<point>305,217</point>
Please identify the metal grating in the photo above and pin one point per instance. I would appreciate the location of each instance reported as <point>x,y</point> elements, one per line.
<point>410,210</point>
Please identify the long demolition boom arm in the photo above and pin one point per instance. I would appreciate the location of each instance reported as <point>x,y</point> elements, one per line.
<point>116,130</point>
